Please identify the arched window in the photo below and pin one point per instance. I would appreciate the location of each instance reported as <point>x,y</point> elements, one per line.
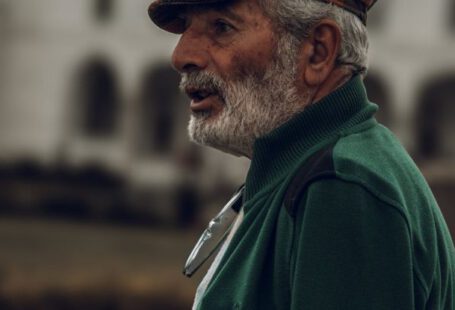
<point>159,106</point>
<point>436,119</point>
<point>98,101</point>
<point>444,191</point>
<point>103,9</point>
<point>378,93</point>
<point>451,12</point>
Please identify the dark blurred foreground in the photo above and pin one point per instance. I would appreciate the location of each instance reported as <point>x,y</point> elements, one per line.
<point>60,265</point>
<point>92,194</point>
<point>77,239</point>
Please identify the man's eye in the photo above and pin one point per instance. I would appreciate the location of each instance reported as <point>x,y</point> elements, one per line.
<point>222,27</point>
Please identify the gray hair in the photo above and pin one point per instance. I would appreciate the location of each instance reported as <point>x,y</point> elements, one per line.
<point>297,17</point>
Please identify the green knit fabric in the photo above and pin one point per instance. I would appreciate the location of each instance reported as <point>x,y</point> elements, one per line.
<point>370,237</point>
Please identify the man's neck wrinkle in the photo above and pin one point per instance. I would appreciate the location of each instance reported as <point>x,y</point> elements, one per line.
<point>335,80</point>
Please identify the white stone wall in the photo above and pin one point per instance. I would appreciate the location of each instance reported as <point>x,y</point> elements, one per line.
<point>44,43</point>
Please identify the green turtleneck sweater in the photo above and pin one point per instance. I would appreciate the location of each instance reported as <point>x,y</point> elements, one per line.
<point>366,233</point>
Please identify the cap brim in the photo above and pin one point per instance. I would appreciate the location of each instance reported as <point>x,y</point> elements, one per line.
<point>165,13</point>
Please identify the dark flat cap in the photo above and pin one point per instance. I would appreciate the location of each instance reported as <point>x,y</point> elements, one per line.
<point>165,13</point>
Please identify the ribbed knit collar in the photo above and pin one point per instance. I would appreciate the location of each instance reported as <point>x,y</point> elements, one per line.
<point>280,150</point>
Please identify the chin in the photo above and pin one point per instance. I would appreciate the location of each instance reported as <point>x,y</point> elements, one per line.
<point>218,133</point>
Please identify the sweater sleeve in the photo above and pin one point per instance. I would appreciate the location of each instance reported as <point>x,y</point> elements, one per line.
<point>352,251</point>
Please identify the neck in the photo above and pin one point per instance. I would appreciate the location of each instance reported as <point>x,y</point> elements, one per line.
<point>319,124</point>
<point>337,78</point>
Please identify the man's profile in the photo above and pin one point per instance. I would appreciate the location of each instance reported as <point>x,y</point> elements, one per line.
<point>334,213</point>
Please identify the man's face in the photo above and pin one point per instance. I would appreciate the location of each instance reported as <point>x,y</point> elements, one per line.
<point>239,76</point>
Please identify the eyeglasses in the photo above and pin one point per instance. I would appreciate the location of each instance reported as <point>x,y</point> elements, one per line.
<point>215,234</point>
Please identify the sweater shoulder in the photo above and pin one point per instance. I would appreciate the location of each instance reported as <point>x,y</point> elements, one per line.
<point>377,160</point>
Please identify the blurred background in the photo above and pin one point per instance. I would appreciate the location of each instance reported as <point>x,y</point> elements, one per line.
<point>101,194</point>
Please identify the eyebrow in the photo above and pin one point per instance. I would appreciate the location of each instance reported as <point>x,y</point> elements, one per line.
<point>224,9</point>
<point>229,13</point>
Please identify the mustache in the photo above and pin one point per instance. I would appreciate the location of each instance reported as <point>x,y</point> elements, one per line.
<point>202,80</point>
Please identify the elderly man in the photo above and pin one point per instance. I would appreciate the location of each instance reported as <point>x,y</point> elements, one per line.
<point>334,213</point>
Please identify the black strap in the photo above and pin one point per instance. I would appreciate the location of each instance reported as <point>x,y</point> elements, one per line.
<point>239,202</point>
<point>319,165</point>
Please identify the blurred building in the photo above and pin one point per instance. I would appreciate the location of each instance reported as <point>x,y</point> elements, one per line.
<point>87,92</point>
<point>91,118</point>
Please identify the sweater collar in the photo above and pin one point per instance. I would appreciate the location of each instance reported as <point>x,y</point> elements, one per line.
<point>284,147</point>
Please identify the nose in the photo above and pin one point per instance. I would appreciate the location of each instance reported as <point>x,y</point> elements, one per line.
<point>189,54</point>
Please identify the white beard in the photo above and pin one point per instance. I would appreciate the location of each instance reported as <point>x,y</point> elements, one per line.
<point>253,106</point>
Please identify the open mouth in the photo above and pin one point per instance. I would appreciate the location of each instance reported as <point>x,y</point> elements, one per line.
<point>205,101</point>
<point>198,95</point>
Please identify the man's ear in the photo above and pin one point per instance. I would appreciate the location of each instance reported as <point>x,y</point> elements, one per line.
<point>319,52</point>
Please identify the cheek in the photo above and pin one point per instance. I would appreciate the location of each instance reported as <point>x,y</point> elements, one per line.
<point>251,55</point>
<point>253,63</point>
<point>247,66</point>
<point>262,52</point>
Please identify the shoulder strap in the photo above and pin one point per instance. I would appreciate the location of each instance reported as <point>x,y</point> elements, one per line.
<point>319,165</point>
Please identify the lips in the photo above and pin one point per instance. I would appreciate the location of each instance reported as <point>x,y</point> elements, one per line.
<point>199,94</point>
<point>202,100</point>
